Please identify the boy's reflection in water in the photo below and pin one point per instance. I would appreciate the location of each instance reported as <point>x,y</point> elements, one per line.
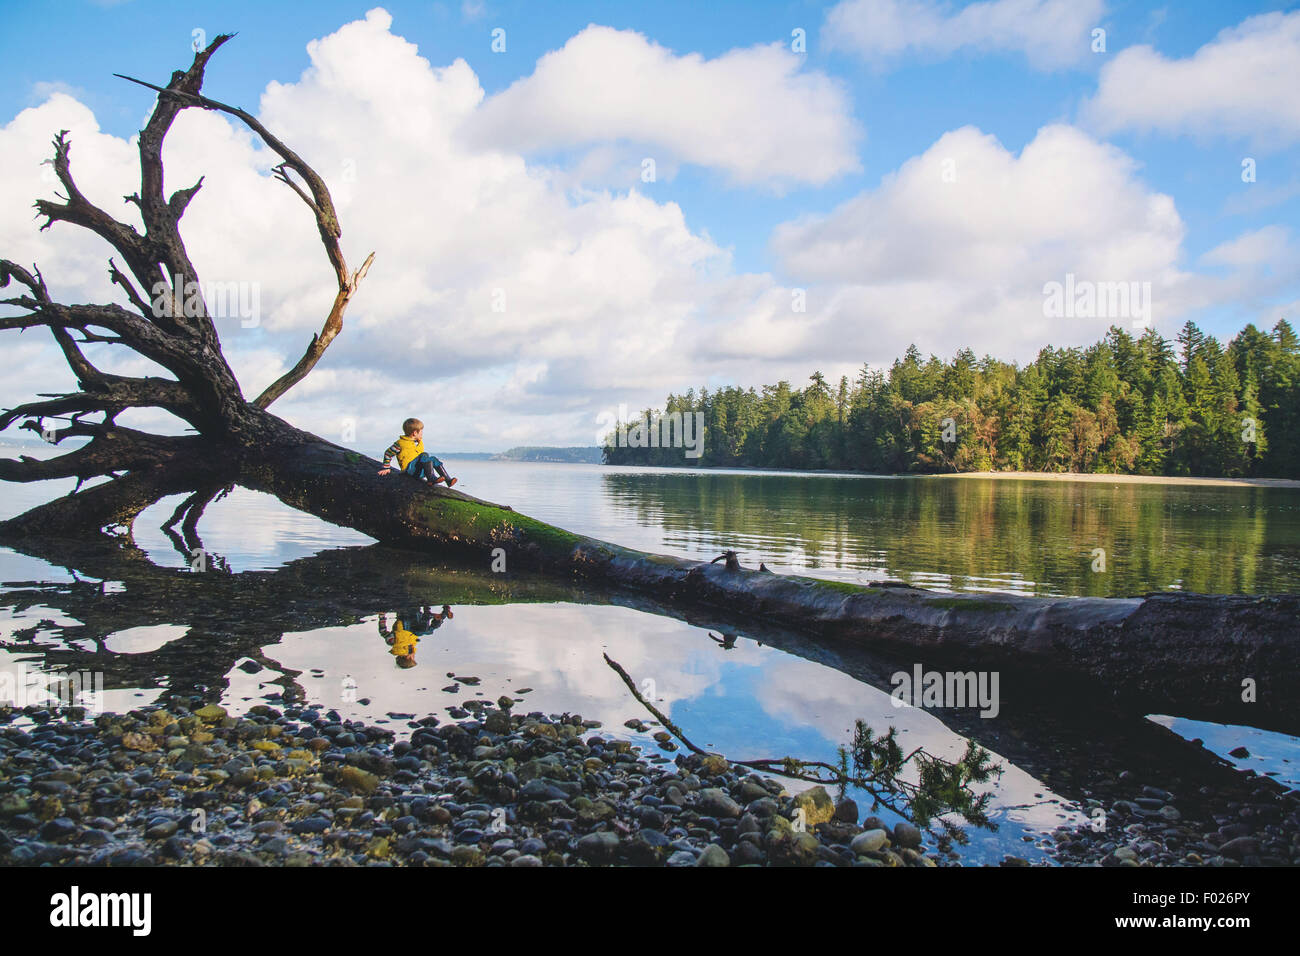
<point>409,625</point>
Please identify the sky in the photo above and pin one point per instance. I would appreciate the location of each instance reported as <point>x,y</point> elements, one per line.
<point>581,206</point>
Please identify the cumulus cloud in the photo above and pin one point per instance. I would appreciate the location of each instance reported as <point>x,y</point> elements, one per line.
<point>507,307</point>
<point>1255,249</point>
<point>1241,84</point>
<point>484,263</point>
<point>753,113</point>
<point>955,247</point>
<point>1052,34</point>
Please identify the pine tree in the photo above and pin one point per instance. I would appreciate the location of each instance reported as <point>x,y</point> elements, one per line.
<point>1191,341</point>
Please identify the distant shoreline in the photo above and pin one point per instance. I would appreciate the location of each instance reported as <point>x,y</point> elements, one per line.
<point>22,444</point>
<point>1013,475</point>
<point>1125,479</point>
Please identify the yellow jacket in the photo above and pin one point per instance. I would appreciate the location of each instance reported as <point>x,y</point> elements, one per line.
<point>407,449</point>
<point>404,641</point>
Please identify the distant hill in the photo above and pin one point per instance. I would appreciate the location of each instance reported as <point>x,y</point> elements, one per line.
<point>579,455</point>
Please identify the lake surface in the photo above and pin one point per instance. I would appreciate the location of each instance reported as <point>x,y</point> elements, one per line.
<point>305,611</point>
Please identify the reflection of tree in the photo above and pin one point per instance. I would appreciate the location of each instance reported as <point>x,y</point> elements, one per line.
<point>1038,536</point>
<point>187,542</point>
<point>229,617</point>
<point>1060,737</point>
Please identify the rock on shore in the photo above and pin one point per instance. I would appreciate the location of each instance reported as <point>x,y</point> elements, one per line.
<point>193,785</point>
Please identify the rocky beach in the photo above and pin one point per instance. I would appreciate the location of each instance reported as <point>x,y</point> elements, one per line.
<point>301,787</point>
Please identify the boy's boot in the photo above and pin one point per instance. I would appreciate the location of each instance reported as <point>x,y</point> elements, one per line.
<point>443,473</point>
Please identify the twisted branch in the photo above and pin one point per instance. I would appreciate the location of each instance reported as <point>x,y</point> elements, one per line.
<point>319,202</point>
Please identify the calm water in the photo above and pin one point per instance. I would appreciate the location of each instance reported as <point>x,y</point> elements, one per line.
<point>304,616</point>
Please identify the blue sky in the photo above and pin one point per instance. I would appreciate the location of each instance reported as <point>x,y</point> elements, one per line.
<point>868,103</point>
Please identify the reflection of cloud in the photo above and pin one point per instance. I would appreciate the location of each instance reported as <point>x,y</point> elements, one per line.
<point>142,640</point>
<point>555,649</point>
<point>1270,752</point>
<point>250,529</point>
<point>749,702</point>
<point>803,692</point>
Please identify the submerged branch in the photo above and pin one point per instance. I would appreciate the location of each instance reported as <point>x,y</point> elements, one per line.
<point>875,765</point>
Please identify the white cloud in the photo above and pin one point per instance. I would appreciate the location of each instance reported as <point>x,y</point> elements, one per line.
<point>1255,249</point>
<point>1241,84</point>
<point>1052,34</point>
<point>754,113</point>
<point>948,264</point>
<point>604,293</point>
<point>610,297</point>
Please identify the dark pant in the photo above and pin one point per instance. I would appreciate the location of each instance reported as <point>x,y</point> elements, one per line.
<point>423,465</point>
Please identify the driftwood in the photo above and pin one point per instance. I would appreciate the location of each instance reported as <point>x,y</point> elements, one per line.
<point>1184,654</point>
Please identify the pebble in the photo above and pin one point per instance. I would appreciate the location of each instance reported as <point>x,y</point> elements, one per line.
<point>869,841</point>
<point>306,788</point>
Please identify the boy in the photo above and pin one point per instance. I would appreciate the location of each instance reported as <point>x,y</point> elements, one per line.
<point>411,456</point>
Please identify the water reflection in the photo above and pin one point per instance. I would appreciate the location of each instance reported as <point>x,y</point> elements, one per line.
<point>291,608</point>
<point>409,626</point>
<point>1033,537</point>
<point>309,630</point>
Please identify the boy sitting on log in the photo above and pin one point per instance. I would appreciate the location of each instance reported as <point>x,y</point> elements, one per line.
<point>412,459</point>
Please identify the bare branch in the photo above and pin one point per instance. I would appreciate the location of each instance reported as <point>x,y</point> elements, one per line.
<point>282,174</point>
<point>112,449</point>
<point>120,279</point>
<point>118,501</point>
<point>181,198</point>
<point>181,96</point>
<point>80,402</point>
<point>80,211</point>
<point>181,340</point>
<point>87,375</point>
<point>319,343</point>
<point>34,282</point>
<point>113,394</point>
<point>89,338</point>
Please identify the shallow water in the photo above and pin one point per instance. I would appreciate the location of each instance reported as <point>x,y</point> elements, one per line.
<point>313,628</point>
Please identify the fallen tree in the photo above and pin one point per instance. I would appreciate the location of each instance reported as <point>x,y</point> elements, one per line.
<point>1229,658</point>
